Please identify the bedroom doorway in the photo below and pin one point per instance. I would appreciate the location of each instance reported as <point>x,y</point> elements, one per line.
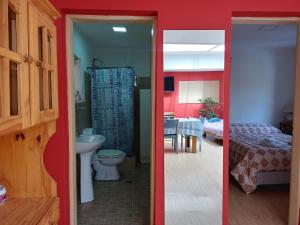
<point>263,155</point>
<point>114,58</point>
<point>193,126</point>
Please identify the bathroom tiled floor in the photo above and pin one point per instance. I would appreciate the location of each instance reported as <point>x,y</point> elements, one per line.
<point>123,202</point>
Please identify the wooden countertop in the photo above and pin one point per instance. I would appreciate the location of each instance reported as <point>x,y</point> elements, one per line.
<point>25,211</point>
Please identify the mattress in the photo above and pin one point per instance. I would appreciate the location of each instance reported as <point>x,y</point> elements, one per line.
<point>215,128</point>
<point>250,154</point>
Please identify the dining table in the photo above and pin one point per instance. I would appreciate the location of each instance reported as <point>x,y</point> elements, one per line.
<point>191,127</point>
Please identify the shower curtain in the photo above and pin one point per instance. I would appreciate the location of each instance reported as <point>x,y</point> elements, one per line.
<point>112,106</point>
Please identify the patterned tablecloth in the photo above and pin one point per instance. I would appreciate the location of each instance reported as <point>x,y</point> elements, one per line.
<point>190,126</point>
<point>187,126</point>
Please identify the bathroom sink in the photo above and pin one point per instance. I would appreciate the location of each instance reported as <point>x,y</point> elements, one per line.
<point>86,145</point>
<point>89,143</point>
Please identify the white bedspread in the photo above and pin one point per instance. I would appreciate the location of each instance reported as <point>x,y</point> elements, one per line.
<point>215,128</point>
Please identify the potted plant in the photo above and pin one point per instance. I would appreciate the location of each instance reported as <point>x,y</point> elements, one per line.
<point>208,111</point>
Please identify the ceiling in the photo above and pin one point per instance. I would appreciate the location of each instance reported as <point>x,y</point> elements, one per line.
<point>250,35</point>
<point>102,34</point>
<point>194,36</point>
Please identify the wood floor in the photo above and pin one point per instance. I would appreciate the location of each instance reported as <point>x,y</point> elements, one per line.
<point>267,205</point>
<point>193,186</point>
<point>193,192</point>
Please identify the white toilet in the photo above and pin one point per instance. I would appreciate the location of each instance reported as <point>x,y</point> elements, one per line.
<point>105,163</point>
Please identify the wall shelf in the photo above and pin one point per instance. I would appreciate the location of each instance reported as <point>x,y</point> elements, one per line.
<point>28,211</point>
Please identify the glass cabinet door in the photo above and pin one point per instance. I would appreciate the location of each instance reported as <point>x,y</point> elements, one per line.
<point>14,80</point>
<point>43,72</point>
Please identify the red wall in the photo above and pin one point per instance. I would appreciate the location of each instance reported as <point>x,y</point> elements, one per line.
<point>191,109</point>
<point>189,14</point>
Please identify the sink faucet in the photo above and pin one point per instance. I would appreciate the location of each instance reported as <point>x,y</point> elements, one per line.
<point>79,132</point>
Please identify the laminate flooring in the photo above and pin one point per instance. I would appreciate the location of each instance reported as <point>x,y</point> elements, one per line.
<point>193,185</point>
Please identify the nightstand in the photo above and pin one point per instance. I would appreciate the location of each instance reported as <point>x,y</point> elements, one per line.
<point>286,127</point>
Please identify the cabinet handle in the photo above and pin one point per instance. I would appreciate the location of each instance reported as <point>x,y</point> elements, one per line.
<point>28,58</point>
<point>40,64</point>
<point>39,138</point>
<point>20,135</point>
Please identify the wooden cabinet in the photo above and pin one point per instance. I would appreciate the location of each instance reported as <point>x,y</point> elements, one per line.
<point>38,211</point>
<point>28,64</point>
<point>32,192</point>
<point>28,109</point>
<point>286,127</point>
<point>14,76</point>
<point>43,70</point>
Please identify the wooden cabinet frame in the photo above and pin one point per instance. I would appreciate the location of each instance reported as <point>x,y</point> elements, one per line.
<point>32,192</point>
<point>20,20</point>
<point>10,122</point>
<point>47,112</point>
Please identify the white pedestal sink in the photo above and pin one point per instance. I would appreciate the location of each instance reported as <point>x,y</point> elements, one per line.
<point>86,145</point>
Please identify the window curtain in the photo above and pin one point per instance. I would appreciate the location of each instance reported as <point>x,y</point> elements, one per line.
<point>112,95</point>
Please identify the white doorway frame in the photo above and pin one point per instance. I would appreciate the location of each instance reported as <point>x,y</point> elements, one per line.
<point>70,19</point>
<point>294,203</point>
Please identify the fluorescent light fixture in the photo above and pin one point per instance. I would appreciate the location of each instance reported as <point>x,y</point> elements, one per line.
<point>119,29</point>
<point>219,48</point>
<point>188,47</point>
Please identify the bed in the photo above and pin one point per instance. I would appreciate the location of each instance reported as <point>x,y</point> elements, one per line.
<point>259,154</point>
<point>214,129</point>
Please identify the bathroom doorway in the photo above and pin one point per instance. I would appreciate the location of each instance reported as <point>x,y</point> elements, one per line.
<point>111,74</point>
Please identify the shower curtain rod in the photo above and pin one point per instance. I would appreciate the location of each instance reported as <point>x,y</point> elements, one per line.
<point>108,67</point>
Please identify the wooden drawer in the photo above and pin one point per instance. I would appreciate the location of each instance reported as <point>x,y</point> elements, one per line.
<point>52,215</point>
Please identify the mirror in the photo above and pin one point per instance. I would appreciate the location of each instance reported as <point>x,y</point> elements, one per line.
<point>193,126</point>
<point>194,50</point>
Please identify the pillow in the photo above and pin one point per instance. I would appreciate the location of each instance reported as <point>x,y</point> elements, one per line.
<point>253,128</point>
<point>214,120</point>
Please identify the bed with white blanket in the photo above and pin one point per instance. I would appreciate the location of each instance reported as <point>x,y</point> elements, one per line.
<point>214,129</point>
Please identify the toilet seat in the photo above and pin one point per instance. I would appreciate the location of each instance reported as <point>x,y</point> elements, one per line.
<point>109,153</point>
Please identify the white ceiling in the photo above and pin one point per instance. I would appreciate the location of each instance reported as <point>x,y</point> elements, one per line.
<point>102,35</point>
<point>194,36</point>
<point>181,59</point>
<point>264,35</point>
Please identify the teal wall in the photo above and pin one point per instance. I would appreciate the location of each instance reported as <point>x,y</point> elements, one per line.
<point>139,59</point>
<point>83,50</point>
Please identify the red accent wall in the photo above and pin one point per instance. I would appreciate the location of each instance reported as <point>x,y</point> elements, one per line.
<point>189,14</point>
<point>191,109</point>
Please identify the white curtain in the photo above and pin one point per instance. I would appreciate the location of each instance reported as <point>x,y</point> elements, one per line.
<point>79,81</point>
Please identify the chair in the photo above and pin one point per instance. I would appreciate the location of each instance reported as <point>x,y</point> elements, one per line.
<point>170,131</point>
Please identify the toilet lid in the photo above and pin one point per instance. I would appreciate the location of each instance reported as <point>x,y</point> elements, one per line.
<point>109,153</point>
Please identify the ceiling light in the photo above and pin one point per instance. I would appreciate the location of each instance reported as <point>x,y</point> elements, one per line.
<point>188,47</point>
<point>119,29</point>
<point>219,48</point>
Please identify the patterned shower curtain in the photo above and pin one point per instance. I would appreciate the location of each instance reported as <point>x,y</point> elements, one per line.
<point>112,106</point>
